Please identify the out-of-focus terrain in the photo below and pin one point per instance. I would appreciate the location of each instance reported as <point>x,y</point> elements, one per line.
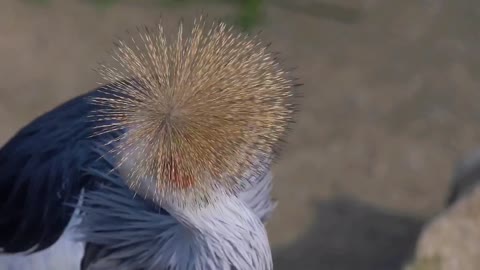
<point>391,101</point>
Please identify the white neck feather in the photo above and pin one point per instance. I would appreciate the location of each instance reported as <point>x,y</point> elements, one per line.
<point>227,230</point>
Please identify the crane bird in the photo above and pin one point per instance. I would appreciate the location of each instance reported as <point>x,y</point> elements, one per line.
<point>166,165</point>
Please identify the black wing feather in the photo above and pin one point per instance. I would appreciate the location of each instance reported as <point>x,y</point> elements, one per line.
<point>41,176</point>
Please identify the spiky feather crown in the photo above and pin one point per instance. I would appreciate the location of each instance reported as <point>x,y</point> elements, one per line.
<point>202,112</point>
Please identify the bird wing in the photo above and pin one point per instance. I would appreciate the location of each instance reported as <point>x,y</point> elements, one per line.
<point>41,174</point>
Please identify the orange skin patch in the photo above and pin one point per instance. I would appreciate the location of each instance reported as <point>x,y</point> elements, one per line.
<point>174,174</point>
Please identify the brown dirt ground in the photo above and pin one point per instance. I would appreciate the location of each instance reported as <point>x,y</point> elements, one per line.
<point>391,101</point>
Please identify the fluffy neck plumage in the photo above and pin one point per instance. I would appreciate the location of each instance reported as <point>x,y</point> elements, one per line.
<point>135,234</point>
<point>222,235</point>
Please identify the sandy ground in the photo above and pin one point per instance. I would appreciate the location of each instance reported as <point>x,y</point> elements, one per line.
<point>391,102</point>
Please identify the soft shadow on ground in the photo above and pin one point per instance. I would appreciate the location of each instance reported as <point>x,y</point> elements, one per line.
<point>351,235</point>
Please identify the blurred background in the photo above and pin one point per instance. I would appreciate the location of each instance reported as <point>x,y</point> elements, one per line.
<point>391,102</point>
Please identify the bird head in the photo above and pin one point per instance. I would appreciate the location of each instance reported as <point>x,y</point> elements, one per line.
<point>202,111</point>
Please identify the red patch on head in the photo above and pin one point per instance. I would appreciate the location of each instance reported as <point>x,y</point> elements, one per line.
<point>174,174</point>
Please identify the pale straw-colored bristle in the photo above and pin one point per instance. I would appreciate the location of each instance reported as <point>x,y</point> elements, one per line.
<point>203,111</point>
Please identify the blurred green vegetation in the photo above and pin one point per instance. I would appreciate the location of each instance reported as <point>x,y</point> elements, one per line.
<point>248,13</point>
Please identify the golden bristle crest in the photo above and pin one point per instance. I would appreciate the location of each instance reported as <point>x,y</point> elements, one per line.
<point>202,112</point>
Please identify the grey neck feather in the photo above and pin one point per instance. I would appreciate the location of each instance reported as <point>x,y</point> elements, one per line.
<point>137,235</point>
<point>224,235</point>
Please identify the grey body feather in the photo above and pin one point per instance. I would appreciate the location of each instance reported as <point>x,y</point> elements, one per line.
<point>136,235</point>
